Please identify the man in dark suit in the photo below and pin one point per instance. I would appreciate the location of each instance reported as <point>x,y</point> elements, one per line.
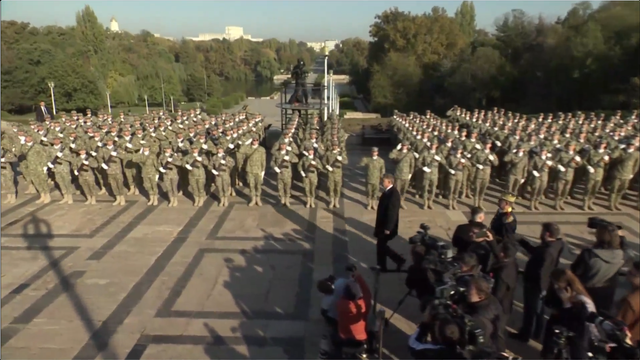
<point>42,111</point>
<point>387,220</point>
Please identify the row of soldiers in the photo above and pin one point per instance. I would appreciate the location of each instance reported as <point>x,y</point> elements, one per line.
<point>189,152</point>
<point>535,157</point>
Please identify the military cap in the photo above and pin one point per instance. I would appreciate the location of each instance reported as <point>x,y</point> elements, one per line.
<point>146,144</point>
<point>32,122</point>
<point>335,143</point>
<point>450,136</point>
<point>571,143</point>
<point>136,128</point>
<point>406,143</point>
<point>72,131</point>
<point>194,146</point>
<point>309,148</point>
<point>62,113</point>
<point>55,136</point>
<point>374,149</point>
<point>202,133</point>
<point>109,138</point>
<point>509,197</point>
<point>282,142</point>
<point>56,121</point>
<point>167,146</point>
<point>80,147</point>
<point>487,141</point>
<point>255,138</point>
<point>74,112</point>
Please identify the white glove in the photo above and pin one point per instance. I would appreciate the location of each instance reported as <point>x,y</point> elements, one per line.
<point>188,167</point>
<point>480,166</point>
<point>22,141</point>
<point>93,153</point>
<point>477,146</point>
<point>313,162</point>
<point>437,157</point>
<point>491,157</point>
<point>114,153</point>
<point>315,145</point>
<point>248,142</point>
<point>85,162</point>
<point>302,173</point>
<point>45,169</point>
<point>44,138</point>
<point>416,154</point>
<point>99,144</point>
<point>467,154</point>
<point>2,160</point>
<point>453,172</point>
<point>329,168</point>
<point>50,165</point>
<point>104,166</point>
<point>142,142</point>
<point>277,170</point>
<point>157,177</point>
<point>339,158</point>
<point>153,134</point>
<point>162,170</point>
<point>535,173</point>
<point>561,168</point>
<point>262,174</point>
<point>426,169</point>
<point>622,146</point>
<point>548,162</point>
<point>59,154</point>
<point>305,153</point>
<point>286,157</point>
<point>223,161</point>
<point>399,146</point>
<point>514,151</point>
<point>169,159</point>
<point>231,146</point>
<point>73,146</point>
<point>75,172</point>
<point>199,158</point>
<point>129,145</point>
<point>498,143</point>
<point>591,170</point>
<point>214,172</point>
<point>463,161</point>
<point>521,181</point>
<point>577,158</point>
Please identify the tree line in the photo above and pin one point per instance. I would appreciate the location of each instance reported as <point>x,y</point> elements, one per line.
<point>86,60</point>
<point>586,60</point>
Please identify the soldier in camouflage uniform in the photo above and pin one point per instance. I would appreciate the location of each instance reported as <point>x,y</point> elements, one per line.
<point>375,169</point>
<point>429,163</point>
<point>8,159</point>
<point>539,177</point>
<point>34,166</point>
<point>455,163</point>
<point>281,163</point>
<point>59,164</point>
<point>170,164</point>
<point>308,166</point>
<point>627,164</point>
<point>149,169</point>
<point>84,166</point>
<point>110,159</point>
<point>256,163</point>
<point>566,162</point>
<point>195,163</point>
<point>221,166</point>
<point>405,166</point>
<point>596,162</point>
<point>483,160</point>
<point>333,162</point>
<point>518,162</point>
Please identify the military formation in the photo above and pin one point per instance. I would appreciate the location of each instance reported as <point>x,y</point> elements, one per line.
<point>534,157</point>
<point>186,152</point>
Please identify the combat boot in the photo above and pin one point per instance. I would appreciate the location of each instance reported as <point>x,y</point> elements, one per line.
<point>150,202</point>
<point>308,202</point>
<point>47,198</point>
<point>221,203</point>
<point>455,205</point>
<point>450,204</point>
<point>590,205</point>
<point>12,198</point>
<point>557,205</point>
<point>337,203</point>
<point>425,204</point>
<point>102,191</point>
<point>585,204</point>
<point>373,204</point>
<point>88,202</point>
<point>174,203</point>
<point>117,202</point>
<point>6,201</point>
<point>155,200</point>
<point>369,204</point>
<point>253,201</point>
<point>402,205</point>
<point>93,200</point>
<point>313,202</point>
<point>258,202</point>
<point>170,201</point>
<point>136,191</point>
<point>122,200</point>
<point>286,202</point>
<point>332,203</point>
<point>430,205</point>
<point>30,190</point>
<point>532,205</point>
<point>69,198</point>
<point>64,199</point>
<point>131,189</point>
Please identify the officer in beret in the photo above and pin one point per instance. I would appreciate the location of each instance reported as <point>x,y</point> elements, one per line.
<point>504,222</point>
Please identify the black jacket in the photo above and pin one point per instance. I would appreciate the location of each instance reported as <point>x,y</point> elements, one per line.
<point>421,279</point>
<point>504,224</point>
<point>572,319</point>
<point>504,269</point>
<point>461,239</point>
<point>388,213</point>
<point>542,260</point>
<point>428,350</point>
<point>598,269</point>
<point>487,314</point>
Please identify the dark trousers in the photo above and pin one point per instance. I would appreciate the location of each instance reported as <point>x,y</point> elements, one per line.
<point>504,293</point>
<point>383,251</point>
<point>300,89</point>
<point>533,317</point>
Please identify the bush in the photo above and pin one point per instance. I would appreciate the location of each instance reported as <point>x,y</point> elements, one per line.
<point>214,107</point>
<point>5,115</point>
<point>227,102</point>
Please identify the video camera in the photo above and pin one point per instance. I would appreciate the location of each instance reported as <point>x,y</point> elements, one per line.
<point>433,245</point>
<point>472,336</point>
<point>594,222</point>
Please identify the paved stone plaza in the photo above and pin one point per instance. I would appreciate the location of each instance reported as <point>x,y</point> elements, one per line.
<point>138,282</point>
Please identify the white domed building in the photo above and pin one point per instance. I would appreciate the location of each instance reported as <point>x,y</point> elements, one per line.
<point>113,25</point>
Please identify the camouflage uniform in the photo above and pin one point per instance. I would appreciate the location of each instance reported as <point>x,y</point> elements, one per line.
<point>405,167</point>
<point>281,163</point>
<point>170,165</point>
<point>111,159</point>
<point>195,163</point>
<point>308,166</point>
<point>255,165</point>
<point>84,166</point>
<point>333,162</point>
<point>375,170</point>
<point>221,166</point>
<point>149,168</point>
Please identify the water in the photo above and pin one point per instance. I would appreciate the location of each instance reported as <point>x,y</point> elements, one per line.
<point>252,88</point>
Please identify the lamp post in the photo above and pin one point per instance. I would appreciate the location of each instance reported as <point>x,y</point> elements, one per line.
<point>146,102</point>
<point>53,97</point>
<point>109,101</point>
<point>331,99</point>
<point>172,109</point>
<point>164,104</point>
<point>324,89</point>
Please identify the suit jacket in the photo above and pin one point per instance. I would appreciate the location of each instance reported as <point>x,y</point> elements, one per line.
<point>40,114</point>
<point>388,213</point>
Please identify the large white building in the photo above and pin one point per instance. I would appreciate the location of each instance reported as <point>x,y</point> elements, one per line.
<point>113,25</point>
<point>329,44</point>
<point>231,33</point>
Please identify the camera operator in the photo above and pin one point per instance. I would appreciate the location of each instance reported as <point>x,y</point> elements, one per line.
<point>445,337</point>
<point>629,307</point>
<point>486,312</point>
<point>504,269</point>
<point>353,309</point>
<point>464,236</point>
<point>419,277</point>
<point>543,259</point>
<point>570,304</point>
<point>597,268</point>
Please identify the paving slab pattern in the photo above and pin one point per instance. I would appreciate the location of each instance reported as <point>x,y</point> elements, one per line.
<point>138,282</point>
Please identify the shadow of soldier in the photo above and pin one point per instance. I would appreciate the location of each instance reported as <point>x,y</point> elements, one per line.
<point>37,233</point>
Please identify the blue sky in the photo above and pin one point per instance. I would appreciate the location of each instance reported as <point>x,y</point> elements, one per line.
<point>300,20</point>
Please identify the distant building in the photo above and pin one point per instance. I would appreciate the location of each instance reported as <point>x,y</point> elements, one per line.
<point>329,44</point>
<point>113,25</point>
<point>164,37</point>
<point>231,33</point>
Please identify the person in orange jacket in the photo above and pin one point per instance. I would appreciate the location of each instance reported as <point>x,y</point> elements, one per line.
<point>353,309</point>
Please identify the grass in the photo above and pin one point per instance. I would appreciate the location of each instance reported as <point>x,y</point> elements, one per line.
<point>346,103</point>
<point>355,125</point>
